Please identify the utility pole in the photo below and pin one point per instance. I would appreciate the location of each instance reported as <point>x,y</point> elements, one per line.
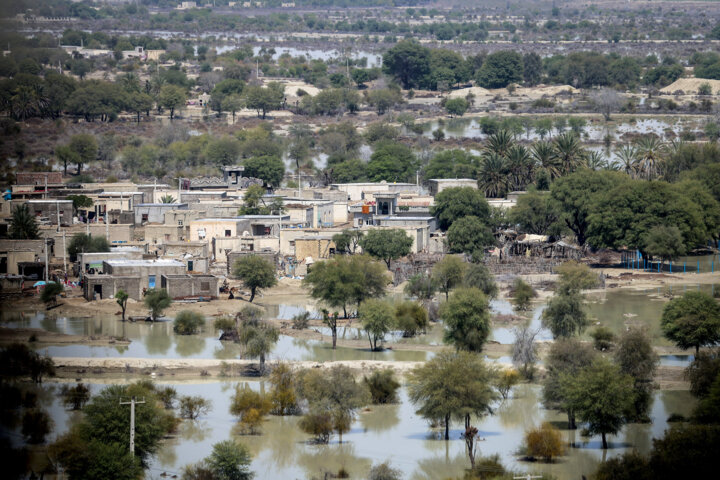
<point>64,254</point>
<point>46,259</point>
<point>132,404</point>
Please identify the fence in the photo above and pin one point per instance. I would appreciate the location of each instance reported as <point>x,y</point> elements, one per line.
<point>635,261</point>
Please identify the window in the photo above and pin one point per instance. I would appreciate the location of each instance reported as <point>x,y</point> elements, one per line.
<point>201,233</point>
<point>180,223</point>
<point>144,217</point>
<point>227,233</point>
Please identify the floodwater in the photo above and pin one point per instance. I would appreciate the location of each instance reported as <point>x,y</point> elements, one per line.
<point>385,432</point>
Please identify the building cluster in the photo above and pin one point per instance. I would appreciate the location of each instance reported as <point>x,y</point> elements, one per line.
<point>185,239</point>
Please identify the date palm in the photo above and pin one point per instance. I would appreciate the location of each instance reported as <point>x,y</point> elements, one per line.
<point>545,159</point>
<point>627,155</point>
<point>520,166</point>
<point>499,142</point>
<point>595,160</point>
<point>651,155</point>
<point>493,177</point>
<point>568,151</point>
<point>23,225</point>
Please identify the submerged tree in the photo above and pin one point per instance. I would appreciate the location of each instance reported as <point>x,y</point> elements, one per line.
<point>467,319</point>
<point>692,320</point>
<point>256,334</point>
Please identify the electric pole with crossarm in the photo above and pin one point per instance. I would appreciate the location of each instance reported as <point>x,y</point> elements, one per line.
<point>132,404</point>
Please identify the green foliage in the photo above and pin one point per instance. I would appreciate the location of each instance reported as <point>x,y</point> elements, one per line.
<point>188,322</point>
<point>603,398</point>
<point>36,425</point>
<point>255,272</point>
<point>157,300</point>
<point>383,471</point>
<point>269,168</point>
<point>391,162</point>
<point>255,334</point>
<point>346,280</point>
<point>383,386</point>
<point>544,442</point>
<point>121,298</point>
<point>82,243</point>
<point>628,466</point>
<point>80,201</point>
<point>171,97</point>
<point>467,319</point>
<point>50,292</point>
<point>702,371</point>
<point>17,360</point>
<point>449,273</point>
<point>535,213</point>
<point>603,338</point>
<point>75,397</point>
<point>386,244</point>
<point>635,356</point>
<point>692,320</point>
<point>565,315</point>
<point>469,234</point>
<point>383,99</point>
<point>408,62</point>
<point>454,203</point>
<point>522,294</point>
<point>707,411</point>
<point>250,406</point>
<point>85,147</point>
<point>410,318</point>
<point>282,395</point>
<point>454,163</point>
<point>575,276</point>
<point>477,275</point>
<point>167,395</point>
<point>23,225</point>
<point>506,380</point>
<point>264,99</point>
<point>92,459</point>
<point>685,451</point>
<point>665,242</point>
<point>456,106</point>
<point>422,287</point>
<point>347,241</point>
<point>230,460</point>
<point>500,69</point>
<point>452,384</point>
<point>378,319</point>
<point>333,397</point>
<point>192,407</point>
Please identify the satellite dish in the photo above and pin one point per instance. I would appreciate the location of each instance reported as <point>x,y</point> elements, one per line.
<point>246,233</point>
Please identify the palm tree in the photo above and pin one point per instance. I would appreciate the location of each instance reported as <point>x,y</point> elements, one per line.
<point>499,142</point>
<point>167,199</point>
<point>651,153</point>
<point>520,166</point>
<point>595,160</point>
<point>627,154</point>
<point>493,176</point>
<point>568,151</point>
<point>545,158</point>
<point>23,225</point>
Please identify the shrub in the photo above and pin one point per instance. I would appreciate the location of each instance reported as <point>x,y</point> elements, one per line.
<point>251,407</point>
<point>383,471</point>
<point>188,322</point>
<point>193,407</point>
<point>301,321</point>
<point>603,338</point>
<point>36,424</point>
<point>282,396</point>
<point>545,442</point>
<point>506,380</point>
<point>522,294</point>
<point>75,397</point>
<point>383,386</point>
<point>317,424</point>
<point>50,292</point>
<point>167,396</point>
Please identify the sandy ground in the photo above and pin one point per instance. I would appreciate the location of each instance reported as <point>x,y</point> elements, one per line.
<point>11,335</point>
<point>691,85</point>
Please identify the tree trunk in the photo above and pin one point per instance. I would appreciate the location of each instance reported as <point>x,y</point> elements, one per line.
<point>345,311</point>
<point>123,314</point>
<point>370,340</point>
<point>467,421</point>
<point>447,427</point>
<point>334,335</point>
<point>252,294</point>
<point>262,362</point>
<point>604,440</point>
<point>571,420</point>
<point>697,350</point>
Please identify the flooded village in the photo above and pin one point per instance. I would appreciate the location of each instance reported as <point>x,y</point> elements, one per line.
<point>371,240</point>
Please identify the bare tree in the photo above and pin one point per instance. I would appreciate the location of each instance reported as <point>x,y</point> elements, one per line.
<point>524,354</point>
<point>607,101</point>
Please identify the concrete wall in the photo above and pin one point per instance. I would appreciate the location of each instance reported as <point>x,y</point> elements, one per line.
<point>159,234</point>
<point>222,245</point>
<point>206,230</point>
<point>38,178</point>
<point>317,248</point>
<point>436,186</point>
<point>269,256</point>
<point>288,236</point>
<point>86,260</point>
<point>179,286</point>
<point>145,270</point>
<point>155,212</point>
<point>340,212</point>
<point>118,234</point>
<point>110,285</point>
<point>49,209</point>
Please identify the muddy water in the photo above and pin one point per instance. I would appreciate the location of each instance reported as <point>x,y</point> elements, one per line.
<point>388,432</point>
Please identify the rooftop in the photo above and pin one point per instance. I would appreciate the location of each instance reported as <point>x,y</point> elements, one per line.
<point>48,200</point>
<point>172,205</point>
<point>160,262</point>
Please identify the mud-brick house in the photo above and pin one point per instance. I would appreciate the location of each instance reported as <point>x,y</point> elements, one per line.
<point>131,275</point>
<point>184,286</point>
<point>155,212</point>
<point>50,210</point>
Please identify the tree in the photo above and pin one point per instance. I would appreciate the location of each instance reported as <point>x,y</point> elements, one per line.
<point>36,425</point>
<point>377,318</point>
<point>500,69</point>
<point>383,99</point>
<point>410,318</point>
<point>283,397</point>
<point>383,471</point>
<point>628,466</point>
<point>449,273</point>
<point>505,381</point>
<point>452,384</point>
<point>269,168</point>
<point>230,460</point>
<point>603,397</point>
<point>75,397</point>
<point>50,292</point>
<point>188,322</point>
<point>264,99</point>
<point>522,294</point>
<point>636,357</point>
<point>565,359</point>
<point>524,352</point>
<point>383,386</point>
<point>702,371</point>
<point>408,62</point>
<point>565,315</point>
<point>86,147</point>
<point>67,156</point>
<point>607,101</point>
<point>391,162</point>
<point>534,213</point>
<point>347,241</point>
<point>386,244</point>
<point>467,319</point>
<point>478,275</point>
<point>469,234</point>
<point>665,242</point>
<point>171,97</point>
<point>192,407</point>
<point>456,106</point>
<point>346,280</point>
<point>545,442</point>
<point>532,68</point>
<point>250,406</point>
<point>685,450</point>
<point>456,202</point>
<point>256,334</point>
<point>575,276</point>
<point>255,272</point>
<point>233,103</point>
<point>80,201</point>
<point>333,397</point>
<point>707,411</point>
<point>692,320</point>
<point>83,243</point>
<point>157,301</point>
<point>23,225</point>
<point>18,360</point>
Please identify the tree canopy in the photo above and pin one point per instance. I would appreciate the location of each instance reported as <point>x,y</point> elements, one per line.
<point>255,272</point>
<point>692,320</point>
<point>456,202</point>
<point>386,244</point>
<point>467,319</point>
